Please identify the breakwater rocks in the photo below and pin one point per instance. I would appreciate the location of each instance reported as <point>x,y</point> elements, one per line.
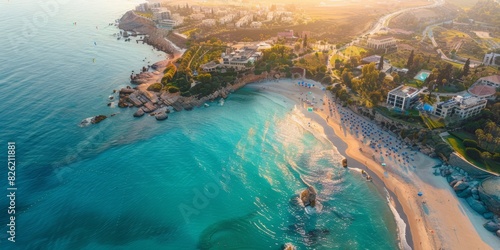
<point>483,196</point>
<point>160,103</point>
<point>153,102</point>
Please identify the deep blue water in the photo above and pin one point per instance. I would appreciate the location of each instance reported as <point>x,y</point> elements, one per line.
<point>223,177</point>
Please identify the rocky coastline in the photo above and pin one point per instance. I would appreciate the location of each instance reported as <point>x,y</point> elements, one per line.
<point>482,195</point>
<point>154,36</point>
<point>163,102</point>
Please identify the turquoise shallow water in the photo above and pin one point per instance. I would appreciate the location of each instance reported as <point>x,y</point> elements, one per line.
<point>223,177</point>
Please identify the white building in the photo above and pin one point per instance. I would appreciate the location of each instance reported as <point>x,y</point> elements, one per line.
<point>286,19</point>
<point>460,107</point>
<point>402,97</point>
<point>256,24</point>
<point>244,21</point>
<point>493,81</point>
<point>143,7</point>
<point>209,67</point>
<point>381,42</point>
<point>208,22</point>
<point>155,5</point>
<point>168,24</point>
<point>239,58</point>
<point>198,16</point>
<point>161,14</point>
<point>489,59</point>
<point>270,16</point>
<point>226,19</point>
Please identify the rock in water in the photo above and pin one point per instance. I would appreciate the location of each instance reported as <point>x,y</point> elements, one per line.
<point>139,113</point>
<point>460,185</point>
<point>98,118</point>
<point>491,226</point>
<point>344,163</point>
<point>289,246</point>
<point>161,116</point>
<point>488,215</point>
<point>308,196</point>
<point>476,205</point>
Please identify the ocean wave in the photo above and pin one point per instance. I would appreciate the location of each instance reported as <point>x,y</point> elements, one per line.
<point>401,225</point>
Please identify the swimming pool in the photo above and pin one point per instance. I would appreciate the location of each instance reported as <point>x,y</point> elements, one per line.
<point>428,107</point>
<point>422,75</point>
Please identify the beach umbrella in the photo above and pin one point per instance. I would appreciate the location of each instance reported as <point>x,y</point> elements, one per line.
<point>310,109</point>
<point>420,194</point>
<point>383,164</point>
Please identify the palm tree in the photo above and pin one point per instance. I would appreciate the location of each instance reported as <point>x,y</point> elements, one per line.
<point>497,142</point>
<point>481,138</point>
<point>490,126</point>
<point>489,139</point>
<point>479,134</point>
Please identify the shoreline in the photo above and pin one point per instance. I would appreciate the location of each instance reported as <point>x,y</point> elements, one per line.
<point>432,222</point>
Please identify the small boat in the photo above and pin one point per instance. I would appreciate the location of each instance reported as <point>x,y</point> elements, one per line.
<point>206,105</point>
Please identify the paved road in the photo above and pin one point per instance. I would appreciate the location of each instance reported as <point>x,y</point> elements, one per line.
<point>428,33</point>
<point>383,22</point>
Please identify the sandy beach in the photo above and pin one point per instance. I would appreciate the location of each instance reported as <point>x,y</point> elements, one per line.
<point>437,219</point>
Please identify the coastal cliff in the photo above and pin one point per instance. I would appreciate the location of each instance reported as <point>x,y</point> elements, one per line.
<point>153,35</point>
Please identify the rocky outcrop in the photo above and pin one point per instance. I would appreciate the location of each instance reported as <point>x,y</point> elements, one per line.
<point>289,246</point>
<point>154,36</point>
<point>143,77</point>
<point>97,119</point>
<point>489,193</point>
<point>344,163</point>
<point>161,116</point>
<point>139,113</point>
<point>308,196</point>
<point>460,185</point>
<point>476,205</point>
<point>491,226</point>
<point>482,196</point>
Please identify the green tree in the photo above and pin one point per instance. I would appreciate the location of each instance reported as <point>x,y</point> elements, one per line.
<point>204,78</point>
<point>466,67</point>
<point>304,42</point>
<point>470,143</point>
<point>409,63</point>
<point>473,153</point>
<point>489,138</point>
<point>381,63</point>
<point>479,135</point>
<point>497,143</point>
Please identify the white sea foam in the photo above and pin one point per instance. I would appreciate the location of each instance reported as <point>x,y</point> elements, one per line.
<point>401,225</point>
<point>85,122</point>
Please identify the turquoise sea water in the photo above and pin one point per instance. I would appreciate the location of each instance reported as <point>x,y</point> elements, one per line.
<point>223,177</point>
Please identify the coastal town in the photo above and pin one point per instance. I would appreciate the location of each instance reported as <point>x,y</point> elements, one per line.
<point>415,95</point>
